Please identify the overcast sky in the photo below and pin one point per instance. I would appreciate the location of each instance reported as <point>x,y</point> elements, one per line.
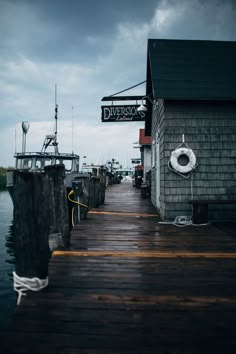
<point>91,49</point>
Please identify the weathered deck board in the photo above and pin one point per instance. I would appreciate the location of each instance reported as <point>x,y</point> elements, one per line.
<point>156,289</point>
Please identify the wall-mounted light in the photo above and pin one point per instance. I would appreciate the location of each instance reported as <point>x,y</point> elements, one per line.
<point>143,107</point>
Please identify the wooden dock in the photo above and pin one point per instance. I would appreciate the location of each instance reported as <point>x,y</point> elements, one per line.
<point>129,284</point>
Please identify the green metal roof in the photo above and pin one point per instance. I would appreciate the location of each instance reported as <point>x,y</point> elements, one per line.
<point>191,69</point>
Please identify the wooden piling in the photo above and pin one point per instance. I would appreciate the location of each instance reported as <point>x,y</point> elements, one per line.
<point>40,210</point>
<point>84,197</point>
<point>94,192</point>
<point>59,235</point>
<point>97,188</point>
<point>102,188</point>
<point>31,223</point>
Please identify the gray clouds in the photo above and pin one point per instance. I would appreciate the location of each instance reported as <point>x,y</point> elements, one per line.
<point>83,31</point>
<point>65,30</point>
<point>91,49</point>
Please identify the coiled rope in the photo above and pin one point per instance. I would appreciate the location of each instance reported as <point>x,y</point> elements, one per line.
<point>182,221</point>
<point>23,284</point>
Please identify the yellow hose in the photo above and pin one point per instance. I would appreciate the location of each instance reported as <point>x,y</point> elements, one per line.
<point>74,201</point>
<point>72,216</point>
<point>73,209</point>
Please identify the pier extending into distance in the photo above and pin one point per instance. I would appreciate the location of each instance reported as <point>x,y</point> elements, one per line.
<point>129,284</point>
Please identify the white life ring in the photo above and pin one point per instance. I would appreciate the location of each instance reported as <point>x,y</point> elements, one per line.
<point>174,160</point>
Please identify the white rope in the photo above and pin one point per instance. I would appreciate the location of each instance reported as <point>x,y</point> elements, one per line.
<point>22,284</point>
<point>182,221</point>
<point>179,173</point>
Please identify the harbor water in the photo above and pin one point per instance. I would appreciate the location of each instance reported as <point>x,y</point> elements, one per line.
<point>7,294</point>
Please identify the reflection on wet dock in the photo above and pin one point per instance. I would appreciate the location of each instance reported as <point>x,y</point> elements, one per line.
<point>128,284</point>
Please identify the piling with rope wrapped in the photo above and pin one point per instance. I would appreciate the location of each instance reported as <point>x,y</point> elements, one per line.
<point>37,211</point>
<point>75,204</point>
<point>83,195</point>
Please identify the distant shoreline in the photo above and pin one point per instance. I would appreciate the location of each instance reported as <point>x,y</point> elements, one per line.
<point>3,178</point>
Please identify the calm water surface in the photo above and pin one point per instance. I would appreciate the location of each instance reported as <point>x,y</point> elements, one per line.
<point>7,294</point>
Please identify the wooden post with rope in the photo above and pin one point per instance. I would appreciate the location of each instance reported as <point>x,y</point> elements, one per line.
<point>40,210</point>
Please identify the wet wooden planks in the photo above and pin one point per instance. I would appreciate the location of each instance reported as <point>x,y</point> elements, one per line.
<point>125,232</point>
<point>131,285</point>
<point>128,306</point>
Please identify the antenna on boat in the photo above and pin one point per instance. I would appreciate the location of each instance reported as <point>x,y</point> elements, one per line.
<point>72,129</point>
<point>15,140</point>
<point>56,111</point>
<point>51,139</point>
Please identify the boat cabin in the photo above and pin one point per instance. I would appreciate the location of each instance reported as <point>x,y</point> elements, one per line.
<point>37,161</point>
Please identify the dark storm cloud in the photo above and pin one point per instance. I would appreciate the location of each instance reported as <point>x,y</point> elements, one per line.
<point>65,30</point>
<point>200,19</point>
<point>75,30</point>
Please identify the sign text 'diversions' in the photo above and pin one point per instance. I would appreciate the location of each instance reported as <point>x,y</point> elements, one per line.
<point>115,113</point>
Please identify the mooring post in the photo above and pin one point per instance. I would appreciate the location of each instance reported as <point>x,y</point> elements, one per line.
<point>80,193</point>
<point>91,192</point>
<point>102,187</point>
<point>31,223</point>
<point>84,197</point>
<point>40,209</point>
<point>94,192</point>
<point>59,235</point>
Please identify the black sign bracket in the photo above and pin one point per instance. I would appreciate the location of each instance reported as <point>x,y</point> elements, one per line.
<point>122,98</point>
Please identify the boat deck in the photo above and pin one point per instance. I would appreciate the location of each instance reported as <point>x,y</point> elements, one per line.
<point>129,284</point>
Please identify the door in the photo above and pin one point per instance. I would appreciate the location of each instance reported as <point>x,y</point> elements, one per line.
<point>158,174</point>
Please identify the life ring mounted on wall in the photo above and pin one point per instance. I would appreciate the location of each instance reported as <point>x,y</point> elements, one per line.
<point>176,156</point>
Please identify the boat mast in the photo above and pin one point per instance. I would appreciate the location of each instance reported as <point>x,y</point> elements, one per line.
<point>72,130</point>
<point>51,139</point>
<point>56,111</point>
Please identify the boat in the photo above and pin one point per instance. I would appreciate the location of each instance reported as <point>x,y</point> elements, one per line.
<point>123,175</point>
<point>80,184</point>
<point>37,161</point>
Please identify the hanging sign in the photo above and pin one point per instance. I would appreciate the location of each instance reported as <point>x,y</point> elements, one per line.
<point>115,113</point>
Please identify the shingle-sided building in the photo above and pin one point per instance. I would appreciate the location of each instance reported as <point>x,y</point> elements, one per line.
<point>193,88</point>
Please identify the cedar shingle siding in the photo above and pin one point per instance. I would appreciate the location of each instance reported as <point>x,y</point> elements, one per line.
<point>203,108</point>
